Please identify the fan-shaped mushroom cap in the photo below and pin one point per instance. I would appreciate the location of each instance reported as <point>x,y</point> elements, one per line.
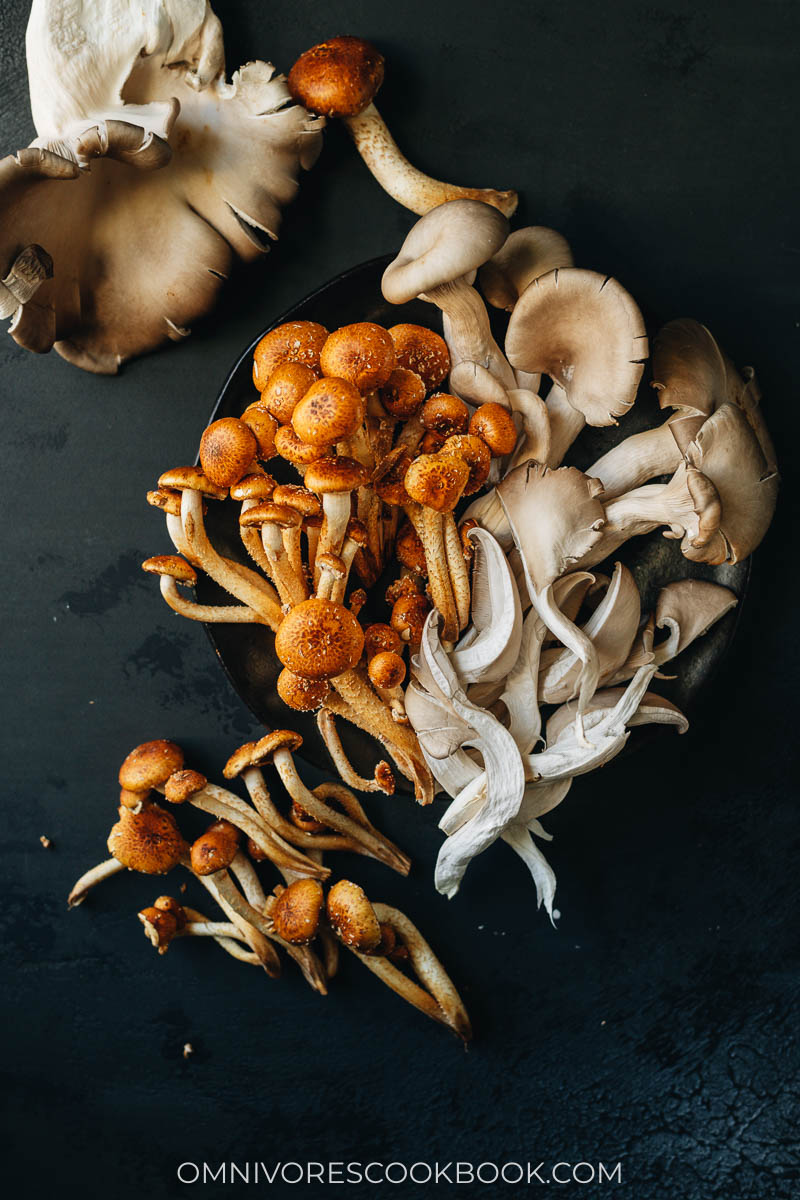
<point>475,453</point>
<point>525,255</point>
<point>495,426</point>
<point>422,351</point>
<point>150,765</point>
<point>143,239</point>
<point>253,487</point>
<point>352,917</point>
<point>148,840</point>
<point>303,695</point>
<point>285,388</point>
<point>585,332</point>
<point>319,639</point>
<point>362,353</point>
<point>333,475</point>
<point>652,710</point>
<point>172,566</point>
<point>337,78</point>
<point>403,393</point>
<point>688,608</point>
<point>728,454</point>
<point>449,242</point>
<point>330,411</point>
<point>182,785</point>
<point>227,449</point>
<point>437,480</point>
<point>297,910</point>
<point>688,368</point>
<point>292,342</point>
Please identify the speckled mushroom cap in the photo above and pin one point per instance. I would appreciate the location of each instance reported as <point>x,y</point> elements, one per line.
<point>256,754</point>
<point>386,669</point>
<point>148,840</point>
<point>362,353</point>
<point>449,242</point>
<point>335,475</point>
<point>586,332</point>
<point>297,910</point>
<point>167,499</point>
<point>330,411</point>
<point>437,480</point>
<point>409,551</point>
<point>379,637</point>
<point>171,565</point>
<point>191,479</point>
<point>150,765</point>
<point>388,478</point>
<point>422,351</point>
<point>403,393</point>
<point>182,785</point>
<point>475,453</point>
<point>253,487</point>
<point>294,341</point>
<point>215,849</point>
<point>267,513</point>
<point>227,449</point>
<point>294,449</point>
<point>285,388</point>
<point>291,495</point>
<point>263,427</point>
<point>495,426</point>
<point>337,78</point>
<point>303,695</point>
<point>352,917</point>
<point>319,639</point>
<point>445,414</point>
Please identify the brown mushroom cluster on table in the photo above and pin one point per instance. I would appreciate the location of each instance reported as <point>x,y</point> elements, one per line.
<point>261,917</point>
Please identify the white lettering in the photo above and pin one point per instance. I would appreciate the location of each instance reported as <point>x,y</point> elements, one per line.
<point>507,1178</point>
<point>192,1167</point>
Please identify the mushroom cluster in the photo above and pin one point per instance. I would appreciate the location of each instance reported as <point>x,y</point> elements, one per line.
<point>530,651</point>
<point>228,859</point>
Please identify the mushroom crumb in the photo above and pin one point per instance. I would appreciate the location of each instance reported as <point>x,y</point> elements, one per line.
<point>45,842</point>
<point>188,1049</point>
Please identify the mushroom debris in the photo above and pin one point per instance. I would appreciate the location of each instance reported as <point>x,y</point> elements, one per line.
<point>260,917</point>
<point>150,175</point>
<point>514,652</point>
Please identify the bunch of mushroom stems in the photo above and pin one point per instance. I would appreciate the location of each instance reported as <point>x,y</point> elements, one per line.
<point>259,918</point>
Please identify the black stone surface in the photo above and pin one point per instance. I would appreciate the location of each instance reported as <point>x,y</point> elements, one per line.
<point>658,1025</point>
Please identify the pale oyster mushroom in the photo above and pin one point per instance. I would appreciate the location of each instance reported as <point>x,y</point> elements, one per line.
<point>586,332</point>
<point>526,255</point>
<point>687,609</point>
<point>491,646</point>
<point>174,174</point>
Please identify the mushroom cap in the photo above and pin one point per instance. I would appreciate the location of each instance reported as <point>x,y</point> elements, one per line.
<point>652,709</point>
<point>586,332</point>
<point>294,449</point>
<point>159,926</point>
<point>431,442</point>
<point>569,517</point>
<point>150,765</point>
<point>362,353</point>
<point>727,452</point>
<point>292,495</point>
<point>167,499</point>
<point>297,910</point>
<point>182,785</point>
<point>445,414</point>
<point>285,388</point>
<point>332,564</point>
<point>388,478</point>
<point>688,608</point>
<point>386,669</point>
<point>171,905</point>
<point>330,411</point>
<point>449,242</point>
<point>171,565</point>
<point>379,637</point>
<point>357,532</point>
<point>688,368</point>
<point>437,480</point>
<point>267,513</point>
<point>263,427</point>
<point>294,341</point>
<point>339,474</point>
<point>403,393</point>
<point>227,449</point>
<point>337,78</point>
<point>132,799</point>
<point>422,351</point>
<point>148,841</point>
<point>475,453</point>
<point>525,255</point>
<point>301,820</point>
<point>495,426</point>
<point>303,695</point>
<point>253,487</point>
<point>409,614</point>
<point>215,849</point>
<point>191,479</point>
<point>319,639</point>
<point>409,550</point>
<point>352,917</point>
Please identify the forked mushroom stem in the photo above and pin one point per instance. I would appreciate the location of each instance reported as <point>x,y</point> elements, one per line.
<point>404,182</point>
<point>244,916</point>
<point>95,875</point>
<point>382,781</point>
<point>224,933</point>
<point>409,762</point>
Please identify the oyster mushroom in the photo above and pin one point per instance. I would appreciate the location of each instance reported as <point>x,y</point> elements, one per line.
<point>687,609</point>
<point>526,255</point>
<point>586,332</point>
<point>173,174</point>
<point>436,262</point>
<point>340,78</point>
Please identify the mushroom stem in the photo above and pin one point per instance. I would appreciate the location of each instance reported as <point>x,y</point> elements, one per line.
<point>576,641</point>
<point>457,567</point>
<point>253,926</point>
<point>467,330</point>
<point>248,587</point>
<point>566,423</point>
<point>410,766</point>
<point>638,458</point>
<point>315,842</point>
<point>335,515</point>
<point>91,878</point>
<point>383,780</point>
<point>405,183</point>
<point>251,540</point>
<point>220,614</point>
<point>199,925</point>
<point>431,532</point>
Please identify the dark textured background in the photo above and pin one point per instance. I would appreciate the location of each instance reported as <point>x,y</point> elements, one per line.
<point>657,1025</point>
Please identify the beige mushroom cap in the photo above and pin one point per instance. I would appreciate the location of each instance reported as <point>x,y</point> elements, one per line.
<point>586,332</point>
<point>688,608</point>
<point>449,242</point>
<point>525,255</point>
<point>319,639</point>
<point>150,765</point>
<point>652,710</point>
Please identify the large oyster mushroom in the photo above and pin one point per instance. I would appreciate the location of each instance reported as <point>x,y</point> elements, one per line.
<point>174,172</point>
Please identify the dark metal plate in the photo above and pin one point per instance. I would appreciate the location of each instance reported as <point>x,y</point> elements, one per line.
<point>246,651</point>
